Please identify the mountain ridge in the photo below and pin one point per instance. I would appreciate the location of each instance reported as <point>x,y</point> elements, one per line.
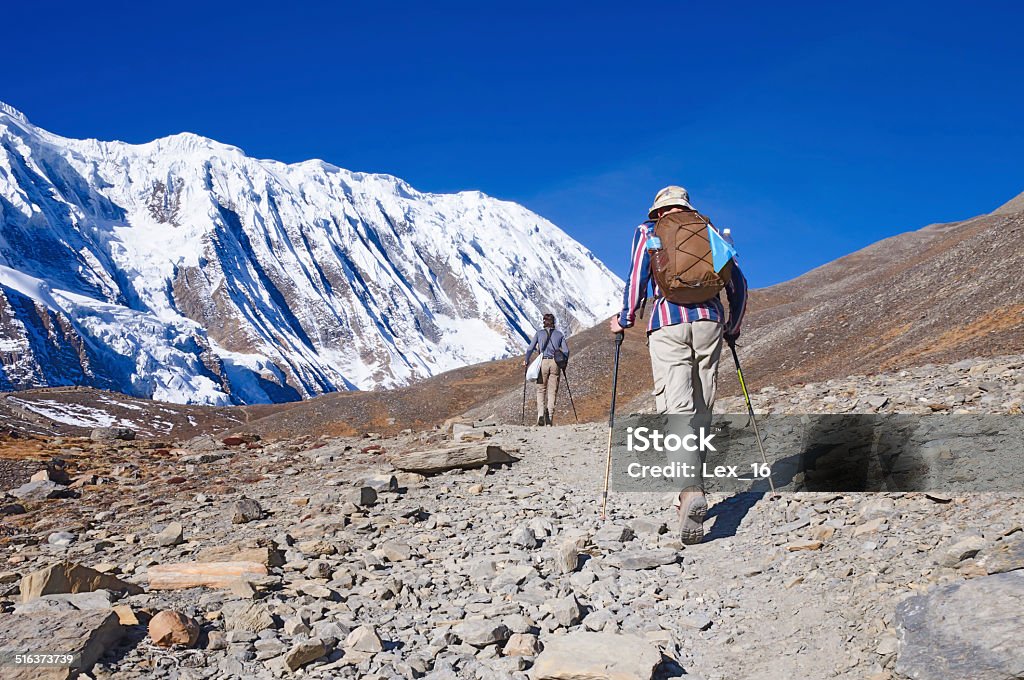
<point>236,279</point>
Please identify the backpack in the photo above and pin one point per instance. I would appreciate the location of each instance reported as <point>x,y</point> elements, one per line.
<point>684,267</point>
<point>561,360</point>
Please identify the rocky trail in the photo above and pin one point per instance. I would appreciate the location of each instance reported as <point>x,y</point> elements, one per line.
<point>329,557</point>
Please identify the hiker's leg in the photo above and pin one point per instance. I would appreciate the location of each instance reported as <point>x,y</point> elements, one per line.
<point>672,358</point>
<point>657,370</point>
<point>659,378</point>
<point>553,377</point>
<point>541,396</point>
<point>707,350</point>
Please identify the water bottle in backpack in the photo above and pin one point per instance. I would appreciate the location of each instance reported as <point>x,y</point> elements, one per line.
<point>659,258</point>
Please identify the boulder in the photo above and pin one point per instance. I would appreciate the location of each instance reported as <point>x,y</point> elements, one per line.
<point>567,557</point>
<point>61,539</point>
<point>246,510</point>
<point>172,534</point>
<point>521,644</point>
<point>85,634</point>
<point>94,600</point>
<point>1006,555</point>
<point>395,551</point>
<point>524,538</point>
<point>954,554</point>
<point>596,656</point>
<point>381,482</point>
<point>41,490</point>
<point>12,509</point>
<point>464,457</point>
<point>963,630</point>
<point>359,495</point>
<point>566,610</point>
<point>171,628</point>
<point>364,639</point>
<point>254,618</point>
<point>481,632</point>
<point>112,434</point>
<point>303,653</point>
<point>67,577</point>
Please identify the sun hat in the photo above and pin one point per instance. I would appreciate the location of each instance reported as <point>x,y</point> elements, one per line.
<point>670,196</point>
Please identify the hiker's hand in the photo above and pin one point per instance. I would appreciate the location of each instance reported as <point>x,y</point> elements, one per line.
<point>731,336</point>
<point>525,364</point>
<point>614,326</point>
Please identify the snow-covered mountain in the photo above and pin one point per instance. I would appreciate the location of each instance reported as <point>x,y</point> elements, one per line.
<point>186,271</point>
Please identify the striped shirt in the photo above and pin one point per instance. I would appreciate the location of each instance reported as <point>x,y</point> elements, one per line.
<point>665,313</point>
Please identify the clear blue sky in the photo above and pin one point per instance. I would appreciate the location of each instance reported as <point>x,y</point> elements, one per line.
<point>811,129</point>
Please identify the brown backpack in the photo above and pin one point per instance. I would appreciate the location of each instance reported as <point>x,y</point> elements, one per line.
<point>684,268</point>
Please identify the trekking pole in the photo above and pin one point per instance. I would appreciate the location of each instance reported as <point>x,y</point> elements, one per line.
<point>750,410</point>
<point>522,420</point>
<point>569,390</point>
<point>611,425</point>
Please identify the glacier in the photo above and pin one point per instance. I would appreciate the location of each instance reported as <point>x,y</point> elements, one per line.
<point>184,270</point>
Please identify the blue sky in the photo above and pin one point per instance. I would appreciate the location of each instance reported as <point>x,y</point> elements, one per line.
<point>810,129</point>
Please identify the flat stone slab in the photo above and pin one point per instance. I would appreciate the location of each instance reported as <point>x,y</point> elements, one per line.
<point>965,630</point>
<point>596,656</point>
<point>84,634</point>
<point>262,551</point>
<point>197,574</point>
<point>642,559</point>
<point>462,457</point>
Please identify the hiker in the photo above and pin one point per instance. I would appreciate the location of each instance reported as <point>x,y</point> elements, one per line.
<point>688,323</point>
<point>554,351</point>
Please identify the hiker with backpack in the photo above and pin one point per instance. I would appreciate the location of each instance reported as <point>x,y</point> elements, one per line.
<point>687,263</point>
<point>554,355</point>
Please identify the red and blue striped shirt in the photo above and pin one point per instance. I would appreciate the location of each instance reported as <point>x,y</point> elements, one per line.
<point>665,313</point>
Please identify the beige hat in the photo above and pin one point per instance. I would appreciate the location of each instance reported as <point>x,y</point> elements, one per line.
<point>670,196</point>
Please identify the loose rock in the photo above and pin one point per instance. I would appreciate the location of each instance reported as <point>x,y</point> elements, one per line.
<point>303,653</point>
<point>596,656</point>
<point>171,628</point>
<point>246,510</point>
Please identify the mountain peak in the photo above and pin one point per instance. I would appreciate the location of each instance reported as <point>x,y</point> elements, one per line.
<point>191,142</point>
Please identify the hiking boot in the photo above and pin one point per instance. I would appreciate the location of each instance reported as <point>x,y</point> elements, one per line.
<point>541,421</point>
<point>693,509</point>
<point>547,418</point>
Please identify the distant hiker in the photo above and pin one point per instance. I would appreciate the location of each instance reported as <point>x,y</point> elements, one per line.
<point>678,248</point>
<point>554,353</point>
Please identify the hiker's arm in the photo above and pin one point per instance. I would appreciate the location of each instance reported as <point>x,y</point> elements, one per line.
<point>736,292</point>
<point>563,346</point>
<point>638,279</point>
<point>529,352</point>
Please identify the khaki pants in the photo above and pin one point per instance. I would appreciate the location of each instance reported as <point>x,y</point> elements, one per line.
<point>684,360</point>
<point>547,389</point>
